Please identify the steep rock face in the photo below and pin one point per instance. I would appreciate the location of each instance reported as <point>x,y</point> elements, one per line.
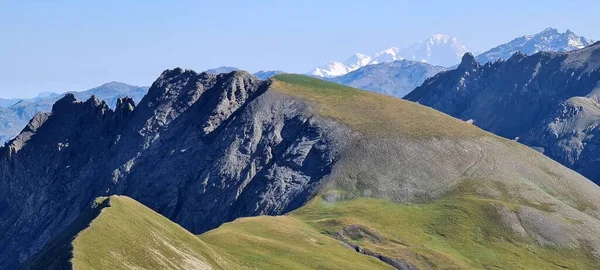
<point>396,78</point>
<point>548,101</point>
<point>188,150</point>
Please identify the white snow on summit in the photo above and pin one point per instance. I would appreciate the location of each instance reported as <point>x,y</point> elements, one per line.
<point>333,69</point>
<point>388,55</point>
<point>548,40</point>
<point>437,50</point>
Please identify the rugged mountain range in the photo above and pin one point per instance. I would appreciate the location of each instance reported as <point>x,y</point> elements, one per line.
<point>404,185</point>
<point>549,101</point>
<point>436,50</point>
<point>395,78</point>
<point>392,79</point>
<point>549,40</point>
<point>15,116</point>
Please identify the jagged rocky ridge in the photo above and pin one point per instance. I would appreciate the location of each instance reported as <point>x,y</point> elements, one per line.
<point>220,163</point>
<point>549,101</point>
<point>15,116</point>
<point>203,149</point>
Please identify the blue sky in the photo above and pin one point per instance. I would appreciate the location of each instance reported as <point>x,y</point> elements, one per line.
<point>75,45</point>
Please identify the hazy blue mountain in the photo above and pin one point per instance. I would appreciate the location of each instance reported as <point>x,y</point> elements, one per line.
<point>219,70</point>
<point>395,78</point>
<point>265,74</point>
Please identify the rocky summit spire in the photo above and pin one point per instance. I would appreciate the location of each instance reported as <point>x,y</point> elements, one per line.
<point>468,62</point>
<point>64,104</point>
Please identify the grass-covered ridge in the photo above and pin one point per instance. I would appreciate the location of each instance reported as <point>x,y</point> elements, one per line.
<point>284,242</point>
<point>456,232</point>
<point>371,112</point>
<point>128,235</point>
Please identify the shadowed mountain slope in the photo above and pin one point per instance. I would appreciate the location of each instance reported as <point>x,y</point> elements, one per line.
<point>203,149</point>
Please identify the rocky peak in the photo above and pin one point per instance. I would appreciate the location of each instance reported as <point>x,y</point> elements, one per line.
<point>468,62</point>
<point>96,106</point>
<point>549,32</point>
<point>65,104</point>
<point>125,104</point>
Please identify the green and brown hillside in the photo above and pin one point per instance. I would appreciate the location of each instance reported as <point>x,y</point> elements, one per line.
<point>338,178</point>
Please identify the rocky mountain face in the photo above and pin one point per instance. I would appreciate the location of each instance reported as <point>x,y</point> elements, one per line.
<point>222,162</point>
<point>396,78</point>
<point>549,40</point>
<point>549,101</point>
<point>15,116</point>
<point>203,149</point>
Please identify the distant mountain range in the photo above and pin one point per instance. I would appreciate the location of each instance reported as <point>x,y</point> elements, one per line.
<point>436,50</point>
<point>400,77</point>
<point>550,40</point>
<point>219,70</point>
<point>263,74</point>
<point>549,101</point>
<point>395,78</point>
<point>16,113</point>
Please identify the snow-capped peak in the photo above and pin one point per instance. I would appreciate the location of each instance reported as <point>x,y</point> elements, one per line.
<point>357,60</point>
<point>440,38</point>
<point>438,50</point>
<point>550,39</point>
<point>387,55</point>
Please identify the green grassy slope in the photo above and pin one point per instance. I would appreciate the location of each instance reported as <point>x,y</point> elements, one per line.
<point>284,242</point>
<point>510,208</point>
<point>128,235</point>
<point>456,232</point>
<point>371,112</point>
<point>503,205</point>
<point>119,233</point>
<point>453,232</point>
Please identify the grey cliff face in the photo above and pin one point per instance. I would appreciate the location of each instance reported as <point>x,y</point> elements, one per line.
<point>200,149</point>
<point>396,78</point>
<point>549,101</point>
